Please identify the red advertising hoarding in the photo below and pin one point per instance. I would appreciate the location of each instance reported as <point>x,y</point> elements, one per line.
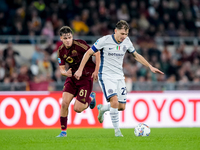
<point>41,110</point>
<point>157,109</point>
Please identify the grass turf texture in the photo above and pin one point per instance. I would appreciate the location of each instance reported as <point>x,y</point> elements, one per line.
<point>100,139</point>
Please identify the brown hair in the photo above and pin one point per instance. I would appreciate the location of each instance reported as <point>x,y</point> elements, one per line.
<point>64,30</point>
<point>122,24</point>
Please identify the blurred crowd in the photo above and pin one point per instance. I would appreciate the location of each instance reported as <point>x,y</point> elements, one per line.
<point>42,69</point>
<point>147,19</point>
<point>37,72</point>
<point>179,67</point>
<point>98,17</point>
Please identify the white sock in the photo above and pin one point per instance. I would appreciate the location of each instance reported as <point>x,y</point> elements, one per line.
<point>105,108</point>
<point>114,115</point>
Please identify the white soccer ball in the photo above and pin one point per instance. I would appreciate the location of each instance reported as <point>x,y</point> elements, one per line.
<point>142,130</point>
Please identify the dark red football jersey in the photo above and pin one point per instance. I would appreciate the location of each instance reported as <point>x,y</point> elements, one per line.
<point>74,55</point>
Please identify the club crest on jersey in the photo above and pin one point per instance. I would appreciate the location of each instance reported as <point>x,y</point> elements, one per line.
<point>64,56</point>
<point>110,91</point>
<point>69,60</point>
<point>118,47</point>
<point>124,48</point>
<point>74,52</point>
<point>59,60</point>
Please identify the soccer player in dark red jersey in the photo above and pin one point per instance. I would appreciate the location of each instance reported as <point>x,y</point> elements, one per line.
<point>71,52</point>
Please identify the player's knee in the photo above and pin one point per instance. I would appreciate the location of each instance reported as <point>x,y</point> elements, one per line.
<point>65,105</point>
<point>121,108</point>
<point>77,109</point>
<point>115,104</point>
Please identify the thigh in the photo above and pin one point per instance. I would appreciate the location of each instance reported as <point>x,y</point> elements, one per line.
<point>67,97</point>
<point>84,90</point>
<point>121,91</point>
<point>109,88</point>
<point>79,106</point>
<point>70,86</point>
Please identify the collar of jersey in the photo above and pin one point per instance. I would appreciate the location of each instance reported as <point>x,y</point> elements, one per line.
<point>115,40</point>
<point>70,46</point>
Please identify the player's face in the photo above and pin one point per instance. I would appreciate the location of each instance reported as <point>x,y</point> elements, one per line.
<point>121,35</point>
<point>67,39</point>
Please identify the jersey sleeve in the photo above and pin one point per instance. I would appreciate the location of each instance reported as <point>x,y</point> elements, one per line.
<point>131,48</point>
<point>61,60</point>
<point>82,45</point>
<point>98,44</point>
<point>85,43</point>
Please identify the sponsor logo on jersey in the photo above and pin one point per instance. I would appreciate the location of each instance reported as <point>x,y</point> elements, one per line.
<point>83,100</point>
<point>110,48</point>
<point>69,60</point>
<point>115,54</point>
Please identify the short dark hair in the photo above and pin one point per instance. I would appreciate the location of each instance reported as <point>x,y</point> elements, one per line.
<point>122,24</point>
<point>64,30</point>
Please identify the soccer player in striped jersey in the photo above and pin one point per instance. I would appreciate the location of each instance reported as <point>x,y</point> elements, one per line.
<point>111,77</point>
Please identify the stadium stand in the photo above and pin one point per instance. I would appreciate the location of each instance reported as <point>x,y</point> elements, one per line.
<point>165,32</point>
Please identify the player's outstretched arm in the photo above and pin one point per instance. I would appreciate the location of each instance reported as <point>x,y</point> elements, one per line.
<point>143,61</point>
<point>67,73</point>
<point>85,58</point>
<point>97,59</point>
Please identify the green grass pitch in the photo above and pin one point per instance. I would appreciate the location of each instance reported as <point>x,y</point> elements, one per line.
<point>100,139</point>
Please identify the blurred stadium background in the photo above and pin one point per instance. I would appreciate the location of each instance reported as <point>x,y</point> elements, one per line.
<point>165,32</point>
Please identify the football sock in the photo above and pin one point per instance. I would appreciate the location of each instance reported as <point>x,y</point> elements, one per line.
<point>105,108</point>
<point>63,123</point>
<point>114,114</point>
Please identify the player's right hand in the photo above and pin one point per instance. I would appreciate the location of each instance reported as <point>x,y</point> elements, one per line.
<point>78,74</point>
<point>95,75</point>
<point>155,70</point>
<point>69,72</point>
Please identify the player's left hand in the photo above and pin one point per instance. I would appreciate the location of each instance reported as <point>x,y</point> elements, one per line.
<point>155,70</point>
<point>95,75</point>
<point>78,74</point>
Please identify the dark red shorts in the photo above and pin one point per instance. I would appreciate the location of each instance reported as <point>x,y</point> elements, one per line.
<point>79,88</point>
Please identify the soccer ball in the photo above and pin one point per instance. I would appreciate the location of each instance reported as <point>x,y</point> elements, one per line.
<point>142,130</point>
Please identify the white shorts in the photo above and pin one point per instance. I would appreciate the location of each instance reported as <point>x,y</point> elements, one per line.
<point>114,87</point>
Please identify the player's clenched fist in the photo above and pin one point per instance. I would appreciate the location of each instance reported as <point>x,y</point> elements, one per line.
<point>69,72</point>
<point>78,74</point>
<point>95,75</point>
